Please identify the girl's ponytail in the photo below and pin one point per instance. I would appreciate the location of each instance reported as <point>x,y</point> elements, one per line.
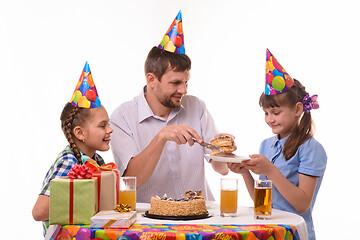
<point>304,130</point>
<point>302,133</point>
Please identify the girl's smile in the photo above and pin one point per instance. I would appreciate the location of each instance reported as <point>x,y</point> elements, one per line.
<point>107,139</point>
<point>96,132</point>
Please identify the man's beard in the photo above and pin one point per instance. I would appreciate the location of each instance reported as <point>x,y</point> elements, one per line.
<point>170,104</point>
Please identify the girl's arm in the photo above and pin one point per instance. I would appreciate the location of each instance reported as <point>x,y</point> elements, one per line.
<point>248,178</point>
<point>40,211</point>
<point>299,197</point>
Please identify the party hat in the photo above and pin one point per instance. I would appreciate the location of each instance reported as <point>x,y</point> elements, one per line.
<point>85,94</point>
<point>277,79</point>
<point>173,41</point>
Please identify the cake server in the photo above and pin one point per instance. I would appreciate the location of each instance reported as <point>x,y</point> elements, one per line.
<point>208,145</point>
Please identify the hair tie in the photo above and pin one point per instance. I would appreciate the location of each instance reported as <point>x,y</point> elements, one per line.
<point>310,102</point>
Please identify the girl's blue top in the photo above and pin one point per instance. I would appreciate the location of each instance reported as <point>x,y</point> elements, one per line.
<point>310,159</point>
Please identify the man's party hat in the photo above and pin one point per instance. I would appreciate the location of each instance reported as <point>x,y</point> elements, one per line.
<point>277,79</point>
<point>85,94</point>
<point>173,41</point>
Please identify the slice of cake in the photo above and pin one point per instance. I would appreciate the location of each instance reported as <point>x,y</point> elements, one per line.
<point>225,143</point>
<point>192,204</point>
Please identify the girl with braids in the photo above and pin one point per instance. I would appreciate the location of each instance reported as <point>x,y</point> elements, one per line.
<point>85,124</point>
<point>293,160</point>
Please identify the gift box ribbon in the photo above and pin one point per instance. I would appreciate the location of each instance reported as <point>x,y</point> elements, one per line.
<point>111,221</point>
<point>71,204</point>
<point>92,164</point>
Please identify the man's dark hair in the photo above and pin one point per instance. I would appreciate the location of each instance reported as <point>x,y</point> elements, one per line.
<point>158,61</point>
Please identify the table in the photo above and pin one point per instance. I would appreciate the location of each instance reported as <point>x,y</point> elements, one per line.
<point>245,217</point>
<point>215,227</point>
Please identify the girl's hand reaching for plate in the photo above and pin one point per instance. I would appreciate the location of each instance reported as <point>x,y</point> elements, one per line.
<point>258,164</point>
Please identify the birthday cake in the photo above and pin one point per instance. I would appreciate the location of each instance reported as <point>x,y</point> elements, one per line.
<point>191,204</point>
<point>225,143</point>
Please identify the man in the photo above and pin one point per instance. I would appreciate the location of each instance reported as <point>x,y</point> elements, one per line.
<point>151,131</point>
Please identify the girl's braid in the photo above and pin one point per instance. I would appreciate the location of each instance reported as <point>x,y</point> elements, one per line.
<point>67,129</point>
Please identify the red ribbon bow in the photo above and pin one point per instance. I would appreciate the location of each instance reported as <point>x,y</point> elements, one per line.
<point>80,172</point>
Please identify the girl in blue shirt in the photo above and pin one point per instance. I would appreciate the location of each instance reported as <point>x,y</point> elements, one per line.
<point>293,160</point>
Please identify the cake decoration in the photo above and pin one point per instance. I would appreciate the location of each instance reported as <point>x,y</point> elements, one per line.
<point>277,80</point>
<point>173,40</point>
<point>85,94</point>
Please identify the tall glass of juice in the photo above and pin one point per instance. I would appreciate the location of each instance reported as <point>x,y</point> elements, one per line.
<point>228,197</point>
<point>127,194</point>
<point>263,199</point>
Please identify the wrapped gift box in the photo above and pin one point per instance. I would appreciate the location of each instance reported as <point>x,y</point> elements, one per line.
<point>73,201</point>
<point>108,184</point>
<point>113,219</point>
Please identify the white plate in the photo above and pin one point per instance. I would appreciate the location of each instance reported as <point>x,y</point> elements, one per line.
<point>228,158</point>
<point>142,207</point>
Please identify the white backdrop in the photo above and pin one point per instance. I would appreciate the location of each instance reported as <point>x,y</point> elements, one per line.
<point>44,46</point>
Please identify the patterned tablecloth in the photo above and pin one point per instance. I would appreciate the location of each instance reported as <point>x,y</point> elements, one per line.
<point>178,232</point>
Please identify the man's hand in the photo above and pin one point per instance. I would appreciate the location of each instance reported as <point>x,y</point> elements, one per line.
<point>220,167</point>
<point>237,167</point>
<point>180,134</point>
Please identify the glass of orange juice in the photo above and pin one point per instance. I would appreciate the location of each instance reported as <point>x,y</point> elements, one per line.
<point>228,197</point>
<point>127,194</point>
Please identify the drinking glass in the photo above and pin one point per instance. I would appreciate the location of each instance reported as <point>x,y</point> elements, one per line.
<point>127,194</point>
<point>228,197</point>
<point>263,199</point>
